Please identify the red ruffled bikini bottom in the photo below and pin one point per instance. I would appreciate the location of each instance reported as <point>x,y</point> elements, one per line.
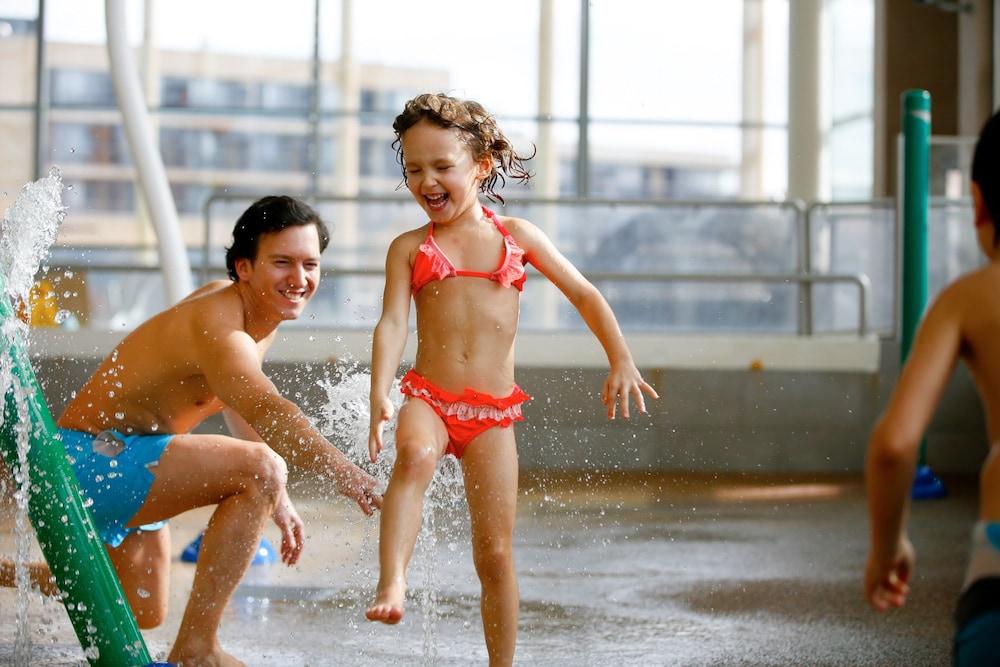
<point>468,414</point>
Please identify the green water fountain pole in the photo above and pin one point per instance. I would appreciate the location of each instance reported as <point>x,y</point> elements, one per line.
<point>93,596</point>
<point>916,126</point>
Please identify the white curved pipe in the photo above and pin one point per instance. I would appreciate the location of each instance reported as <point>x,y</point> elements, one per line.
<point>149,164</point>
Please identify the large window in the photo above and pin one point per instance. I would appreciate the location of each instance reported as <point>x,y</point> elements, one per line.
<point>851,66</point>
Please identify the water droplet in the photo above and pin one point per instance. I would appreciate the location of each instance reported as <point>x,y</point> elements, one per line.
<point>119,415</point>
<point>62,316</point>
<point>143,593</point>
<point>154,426</point>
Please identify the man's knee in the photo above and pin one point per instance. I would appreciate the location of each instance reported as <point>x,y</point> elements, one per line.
<point>268,471</point>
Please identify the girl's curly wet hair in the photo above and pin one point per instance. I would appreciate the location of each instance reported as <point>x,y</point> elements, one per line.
<point>478,128</point>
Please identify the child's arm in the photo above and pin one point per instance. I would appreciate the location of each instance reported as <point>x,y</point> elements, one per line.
<point>623,378</point>
<point>389,339</point>
<point>893,449</point>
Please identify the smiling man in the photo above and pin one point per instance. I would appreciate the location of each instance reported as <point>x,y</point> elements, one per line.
<point>127,431</point>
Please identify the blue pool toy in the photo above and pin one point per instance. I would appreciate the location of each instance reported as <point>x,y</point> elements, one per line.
<point>927,485</point>
<point>265,554</point>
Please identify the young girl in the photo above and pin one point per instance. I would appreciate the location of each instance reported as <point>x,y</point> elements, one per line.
<point>465,272</point>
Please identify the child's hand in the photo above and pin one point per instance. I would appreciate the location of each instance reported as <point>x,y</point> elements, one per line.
<point>624,381</point>
<point>381,413</point>
<point>888,583</point>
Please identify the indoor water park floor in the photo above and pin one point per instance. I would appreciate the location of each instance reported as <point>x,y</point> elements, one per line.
<point>623,570</point>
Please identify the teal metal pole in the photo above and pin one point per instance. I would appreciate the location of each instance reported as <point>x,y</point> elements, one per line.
<point>916,126</point>
<point>93,596</point>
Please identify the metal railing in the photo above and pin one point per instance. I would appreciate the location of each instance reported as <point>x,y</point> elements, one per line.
<point>948,258</point>
<point>802,277</point>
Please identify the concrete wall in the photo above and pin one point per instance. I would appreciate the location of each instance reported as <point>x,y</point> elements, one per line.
<point>707,420</point>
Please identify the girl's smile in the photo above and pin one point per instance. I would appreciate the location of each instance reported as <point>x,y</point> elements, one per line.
<point>441,174</point>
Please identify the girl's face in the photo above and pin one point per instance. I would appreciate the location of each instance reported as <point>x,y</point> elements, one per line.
<point>441,174</point>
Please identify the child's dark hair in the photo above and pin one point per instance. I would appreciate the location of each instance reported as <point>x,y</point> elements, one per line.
<point>986,170</point>
<point>479,130</point>
<point>267,216</point>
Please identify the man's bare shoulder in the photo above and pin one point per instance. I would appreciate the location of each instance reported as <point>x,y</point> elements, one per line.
<point>213,307</point>
<point>208,288</point>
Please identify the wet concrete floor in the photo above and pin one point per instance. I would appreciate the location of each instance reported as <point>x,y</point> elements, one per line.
<point>614,569</point>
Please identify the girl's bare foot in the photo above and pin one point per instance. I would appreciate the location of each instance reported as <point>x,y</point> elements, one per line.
<point>388,605</point>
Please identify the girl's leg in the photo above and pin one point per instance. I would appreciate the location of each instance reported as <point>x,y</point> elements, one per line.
<point>489,465</point>
<point>420,441</point>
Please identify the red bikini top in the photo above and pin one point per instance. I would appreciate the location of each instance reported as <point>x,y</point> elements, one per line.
<point>432,264</point>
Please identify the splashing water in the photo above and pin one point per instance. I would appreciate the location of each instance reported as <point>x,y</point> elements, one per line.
<point>345,420</point>
<point>29,229</point>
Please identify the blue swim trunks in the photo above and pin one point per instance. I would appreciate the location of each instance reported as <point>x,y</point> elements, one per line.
<point>113,471</point>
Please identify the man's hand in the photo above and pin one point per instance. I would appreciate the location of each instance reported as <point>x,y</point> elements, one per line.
<point>381,413</point>
<point>622,382</point>
<point>887,582</point>
<point>287,519</point>
<point>359,486</point>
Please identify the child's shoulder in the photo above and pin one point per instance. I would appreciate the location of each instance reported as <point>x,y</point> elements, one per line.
<point>411,237</point>
<point>971,293</point>
<point>516,226</point>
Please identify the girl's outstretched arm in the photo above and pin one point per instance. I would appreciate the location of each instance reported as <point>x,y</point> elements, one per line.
<point>623,381</point>
<point>389,339</point>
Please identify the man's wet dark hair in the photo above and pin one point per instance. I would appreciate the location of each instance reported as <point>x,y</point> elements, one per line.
<point>267,216</point>
<point>986,170</point>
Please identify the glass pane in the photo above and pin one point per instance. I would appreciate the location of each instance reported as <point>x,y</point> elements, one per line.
<point>18,32</point>
<point>854,239</point>
<point>632,160</point>
<point>642,54</point>
<point>852,57</point>
<point>852,159</point>
<point>16,132</point>
<point>484,51</point>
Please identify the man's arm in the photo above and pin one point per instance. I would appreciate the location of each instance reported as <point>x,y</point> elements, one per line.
<point>230,362</point>
<point>285,517</point>
<point>894,446</point>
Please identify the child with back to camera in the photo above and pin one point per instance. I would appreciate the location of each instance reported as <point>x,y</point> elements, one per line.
<point>465,270</point>
<point>963,322</point>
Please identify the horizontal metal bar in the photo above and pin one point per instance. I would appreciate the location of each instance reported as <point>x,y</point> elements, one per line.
<point>792,204</point>
<point>860,280</point>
